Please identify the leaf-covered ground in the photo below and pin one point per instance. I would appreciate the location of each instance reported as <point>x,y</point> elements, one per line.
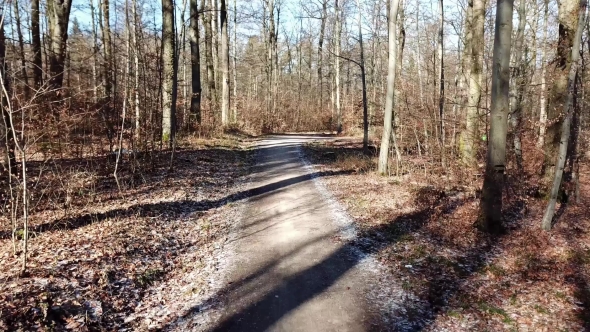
<point>101,260</point>
<point>456,278</point>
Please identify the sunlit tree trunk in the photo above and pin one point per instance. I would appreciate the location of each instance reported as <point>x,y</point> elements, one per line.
<point>517,85</point>
<point>567,110</point>
<point>389,99</point>
<point>169,74</point>
<point>195,61</point>
<point>474,46</point>
<point>543,102</point>
<point>337,46</point>
<point>558,94</point>
<point>490,215</point>
<point>225,116</point>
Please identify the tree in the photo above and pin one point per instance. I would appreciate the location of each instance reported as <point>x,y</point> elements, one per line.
<point>490,215</point>
<point>566,123</point>
<point>169,73</point>
<point>558,94</point>
<point>107,44</point>
<point>473,47</point>
<point>225,116</point>
<point>195,61</point>
<point>58,17</point>
<point>517,85</point>
<point>543,107</point>
<point>36,45</point>
<point>388,130</point>
<point>337,46</point>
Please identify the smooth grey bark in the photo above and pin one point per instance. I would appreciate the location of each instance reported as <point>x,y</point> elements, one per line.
<point>95,51</point>
<point>337,47</point>
<point>363,82</point>
<point>566,124</point>
<point>235,73</point>
<point>490,214</point>
<point>195,108</point>
<point>389,100</point>
<point>58,17</point>
<point>169,74</point>
<point>107,47</point>
<point>441,76</point>
<point>136,48</point>
<point>36,45</point>
<point>225,116</point>
<point>517,85</point>
<point>323,19</point>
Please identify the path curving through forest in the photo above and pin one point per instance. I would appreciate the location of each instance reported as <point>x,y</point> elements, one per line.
<point>291,270</point>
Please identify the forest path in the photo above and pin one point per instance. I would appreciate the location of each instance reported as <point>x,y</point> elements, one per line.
<point>290,271</point>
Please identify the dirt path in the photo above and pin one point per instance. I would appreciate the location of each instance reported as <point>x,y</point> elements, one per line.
<point>292,271</point>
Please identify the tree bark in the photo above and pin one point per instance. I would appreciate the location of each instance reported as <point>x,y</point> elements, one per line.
<point>474,46</point>
<point>169,73</point>
<point>490,215</point>
<point>568,112</point>
<point>195,61</point>
<point>107,46</point>
<point>517,85</point>
<point>543,102</point>
<point>58,17</point>
<point>36,45</point>
<point>389,103</point>
<point>225,116</point>
<point>337,46</point>
<point>21,49</point>
<point>558,95</point>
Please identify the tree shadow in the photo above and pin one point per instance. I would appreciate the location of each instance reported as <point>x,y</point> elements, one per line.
<point>295,290</point>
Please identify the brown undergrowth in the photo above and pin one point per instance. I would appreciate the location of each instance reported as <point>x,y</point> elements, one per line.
<point>524,280</point>
<point>101,259</point>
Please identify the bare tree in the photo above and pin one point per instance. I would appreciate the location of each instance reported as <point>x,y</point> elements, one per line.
<point>490,217</point>
<point>568,112</point>
<point>169,73</point>
<point>58,17</point>
<point>225,115</point>
<point>36,45</point>
<point>195,61</point>
<point>388,131</point>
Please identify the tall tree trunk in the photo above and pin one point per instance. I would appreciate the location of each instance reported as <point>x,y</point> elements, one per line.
<point>58,17</point>
<point>337,46</point>
<point>21,49</point>
<point>543,102</point>
<point>490,215</point>
<point>517,85</point>
<point>9,137</point>
<point>108,51</point>
<point>568,21</point>
<point>389,103</point>
<point>95,53</point>
<point>225,118</point>
<point>363,82</point>
<point>474,47</point>
<point>568,112</point>
<point>169,73</point>
<point>441,75</point>
<point>136,48</point>
<point>323,19</point>
<point>212,91</point>
<point>195,61</point>
<point>235,73</point>
<point>36,45</point>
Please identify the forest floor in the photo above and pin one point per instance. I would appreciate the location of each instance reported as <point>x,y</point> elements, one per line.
<point>419,225</point>
<point>136,260</point>
<point>178,250</point>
